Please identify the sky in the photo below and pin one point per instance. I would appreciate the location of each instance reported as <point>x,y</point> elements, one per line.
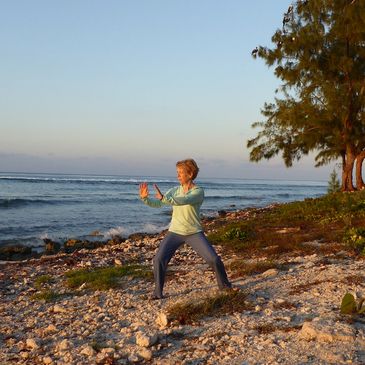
<point>129,87</point>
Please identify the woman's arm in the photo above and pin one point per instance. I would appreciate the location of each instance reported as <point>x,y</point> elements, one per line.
<point>195,196</point>
<point>144,195</point>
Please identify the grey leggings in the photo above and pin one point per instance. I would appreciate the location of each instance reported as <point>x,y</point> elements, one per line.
<point>197,242</point>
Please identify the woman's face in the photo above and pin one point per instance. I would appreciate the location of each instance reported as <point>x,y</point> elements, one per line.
<point>182,175</point>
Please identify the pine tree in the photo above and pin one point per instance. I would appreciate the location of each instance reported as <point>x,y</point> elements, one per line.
<point>319,55</point>
<point>333,185</point>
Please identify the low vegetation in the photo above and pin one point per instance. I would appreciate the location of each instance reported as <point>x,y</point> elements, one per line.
<point>46,295</point>
<point>226,302</point>
<point>337,220</point>
<point>241,268</point>
<point>106,277</point>
<point>43,280</point>
<point>355,238</point>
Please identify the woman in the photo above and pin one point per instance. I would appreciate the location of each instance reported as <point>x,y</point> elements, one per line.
<point>185,226</point>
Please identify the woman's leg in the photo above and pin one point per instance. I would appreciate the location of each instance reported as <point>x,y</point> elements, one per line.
<point>201,245</point>
<point>167,248</point>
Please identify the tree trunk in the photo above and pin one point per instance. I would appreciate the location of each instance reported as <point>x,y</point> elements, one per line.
<point>359,181</point>
<point>347,168</point>
<point>343,179</point>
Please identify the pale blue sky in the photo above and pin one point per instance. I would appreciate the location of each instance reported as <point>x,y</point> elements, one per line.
<point>129,87</point>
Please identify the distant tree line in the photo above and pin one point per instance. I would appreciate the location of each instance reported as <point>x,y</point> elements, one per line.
<point>319,55</point>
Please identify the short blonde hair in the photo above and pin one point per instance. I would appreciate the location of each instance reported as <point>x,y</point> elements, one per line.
<point>190,167</point>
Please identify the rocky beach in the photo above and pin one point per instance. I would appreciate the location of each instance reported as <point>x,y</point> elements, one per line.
<point>291,313</point>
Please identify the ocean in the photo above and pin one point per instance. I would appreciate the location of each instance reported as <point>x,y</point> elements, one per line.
<point>58,206</point>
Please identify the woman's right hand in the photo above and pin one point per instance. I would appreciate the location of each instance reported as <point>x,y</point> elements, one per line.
<point>143,190</point>
<point>159,195</point>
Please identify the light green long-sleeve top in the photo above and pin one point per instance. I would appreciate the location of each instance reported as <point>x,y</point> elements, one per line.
<point>185,209</point>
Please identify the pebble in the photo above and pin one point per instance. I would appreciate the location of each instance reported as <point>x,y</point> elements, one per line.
<point>88,351</point>
<point>118,262</point>
<point>24,354</point>
<point>64,345</point>
<point>145,354</point>
<point>133,358</point>
<point>270,272</point>
<point>145,340</point>
<point>50,328</point>
<point>59,309</point>
<point>162,320</point>
<point>32,344</point>
<point>47,360</point>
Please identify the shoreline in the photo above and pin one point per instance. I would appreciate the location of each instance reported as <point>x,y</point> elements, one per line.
<point>19,251</point>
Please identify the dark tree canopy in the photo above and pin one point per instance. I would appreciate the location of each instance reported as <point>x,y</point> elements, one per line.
<point>319,55</point>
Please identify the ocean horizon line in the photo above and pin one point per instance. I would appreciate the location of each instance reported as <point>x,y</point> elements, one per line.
<point>158,176</point>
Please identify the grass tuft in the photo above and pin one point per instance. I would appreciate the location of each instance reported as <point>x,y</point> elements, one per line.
<point>222,303</point>
<point>241,268</point>
<point>41,280</point>
<point>46,295</point>
<point>105,278</point>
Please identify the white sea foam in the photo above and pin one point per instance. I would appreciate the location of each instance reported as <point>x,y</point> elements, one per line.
<point>44,236</point>
<point>153,228</point>
<point>117,231</point>
<point>124,232</point>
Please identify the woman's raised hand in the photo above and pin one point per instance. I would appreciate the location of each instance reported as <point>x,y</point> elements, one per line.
<point>143,190</point>
<point>159,195</point>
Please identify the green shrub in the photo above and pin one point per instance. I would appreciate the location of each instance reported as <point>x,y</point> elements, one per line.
<point>236,233</point>
<point>355,237</point>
